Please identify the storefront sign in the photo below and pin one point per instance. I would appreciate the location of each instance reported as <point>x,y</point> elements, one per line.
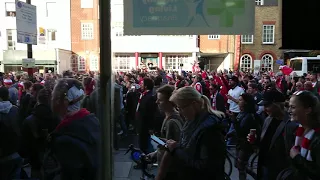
<point>185,17</point>
<point>26,21</point>
<point>28,63</point>
<point>42,36</point>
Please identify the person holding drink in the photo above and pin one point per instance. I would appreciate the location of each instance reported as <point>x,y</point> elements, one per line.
<point>246,122</point>
<point>276,138</point>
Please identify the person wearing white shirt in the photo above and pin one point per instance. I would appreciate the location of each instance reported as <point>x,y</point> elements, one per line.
<point>233,98</point>
<point>233,95</point>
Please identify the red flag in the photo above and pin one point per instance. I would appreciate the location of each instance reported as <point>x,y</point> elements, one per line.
<point>286,70</point>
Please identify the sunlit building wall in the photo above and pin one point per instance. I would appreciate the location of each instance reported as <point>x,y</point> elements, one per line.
<point>53,37</point>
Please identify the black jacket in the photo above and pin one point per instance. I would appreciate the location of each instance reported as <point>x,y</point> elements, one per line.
<point>220,103</point>
<point>76,145</point>
<point>34,133</point>
<point>275,147</point>
<point>9,131</point>
<point>244,122</point>
<point>204,156</point>
<point>146,112</point>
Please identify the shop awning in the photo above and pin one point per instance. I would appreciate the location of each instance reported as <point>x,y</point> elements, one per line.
<point>38,62</point>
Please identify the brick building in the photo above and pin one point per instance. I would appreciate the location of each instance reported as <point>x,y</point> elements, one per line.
<point>217,52</point>
<point>85,35</point>
<point>262,48</point>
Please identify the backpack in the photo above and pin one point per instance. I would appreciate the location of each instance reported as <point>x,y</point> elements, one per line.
<point>51,169</point>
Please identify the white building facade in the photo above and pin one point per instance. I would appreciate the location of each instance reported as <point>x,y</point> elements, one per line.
<point>167,52</point>
<point>54,36</point>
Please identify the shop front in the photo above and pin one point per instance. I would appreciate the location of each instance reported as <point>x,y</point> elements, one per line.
<point>149,61</point>
<point>42,66</point>
<point>45,61</point>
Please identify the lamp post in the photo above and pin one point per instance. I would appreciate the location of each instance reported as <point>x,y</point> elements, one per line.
<point>29,50</point>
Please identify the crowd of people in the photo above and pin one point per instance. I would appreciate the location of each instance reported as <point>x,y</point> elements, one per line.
<point>50,122</point>
<point>199,113</point>
<point>43,126</point>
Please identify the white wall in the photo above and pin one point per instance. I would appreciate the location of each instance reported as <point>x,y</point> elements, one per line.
<point>60,22</point>
<point>226,63</point>
<point>165,44</point>
<point>64,62</point>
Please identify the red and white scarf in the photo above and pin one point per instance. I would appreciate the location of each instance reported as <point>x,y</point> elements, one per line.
<point>214,98</point>
<point>303,142</point>
<point>198,87</point>
<point>141,95</point>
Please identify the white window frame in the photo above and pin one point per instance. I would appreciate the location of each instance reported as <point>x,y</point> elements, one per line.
<point>50,14</point>
<point>86,4</point>
<point>245,39</point>
<point>50,33</point>
<point>80,66</point>
<point>267,28</point>
<point>121,60</point>
<point>175,61</point>
<point>263,62</point>
<point>241,62</point>
<point>213,37</point>
<point>259,2</point>
<point>94,64</point>
<point>87,31</point>
<point>10,12</point>
<point>12,40</point>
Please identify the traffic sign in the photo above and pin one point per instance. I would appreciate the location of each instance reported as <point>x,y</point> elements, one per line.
<point>26,21</point>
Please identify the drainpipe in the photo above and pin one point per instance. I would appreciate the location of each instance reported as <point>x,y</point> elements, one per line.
<point>58,61</point>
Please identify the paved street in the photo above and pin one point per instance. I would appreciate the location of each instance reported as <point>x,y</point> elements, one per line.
<point>123,168</point>
<point>123,165</point>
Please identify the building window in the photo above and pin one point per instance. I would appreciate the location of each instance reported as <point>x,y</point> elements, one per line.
<point>10,9</point>
<point>52,35</point>
<point>87,31</point>
<point>117,29</point>
<point>119,32</point>
<point>86,3</point>
<point>51,9</point>
<point>247,39</point>
<point>94,65</point>
<point>81,63</point>
<point>266,63</point>
<point>213,36</point>
<point>268,34</point>
<point>246,63</point>
<point>259,2</point>
<point>121,62</point>
<point>173,62</point>
<point>74,62</point>
<point>11,39</point>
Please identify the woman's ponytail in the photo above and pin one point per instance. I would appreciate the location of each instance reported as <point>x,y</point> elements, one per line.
<point>207,107</point>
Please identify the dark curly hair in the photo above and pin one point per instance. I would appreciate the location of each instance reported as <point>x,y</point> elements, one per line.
<point>250,104</point>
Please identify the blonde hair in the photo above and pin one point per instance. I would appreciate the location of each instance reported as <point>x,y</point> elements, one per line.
<point>190,94</point>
